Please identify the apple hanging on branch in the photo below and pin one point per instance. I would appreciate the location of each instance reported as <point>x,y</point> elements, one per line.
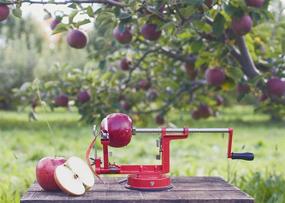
<point>4,12</point>
<point>55,22</point>
<point>123,34</point>
<point>76,39</point>
<point>255,3</point>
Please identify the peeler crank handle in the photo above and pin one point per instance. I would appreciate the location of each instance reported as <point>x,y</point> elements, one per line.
<point>248,156</point>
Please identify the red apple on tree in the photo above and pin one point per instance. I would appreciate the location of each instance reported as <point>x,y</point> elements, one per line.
<point>196,114</point>
<point>205,111</point>
<point>275,87</point>
<point>263,97</point>
<point>191,71</point>
<point>243,88</point>
<point>151,32</point>
<point>55,22</point>
<point>61,100</point>
<point>34,103</point>
<point>125,64</point>
<point>255,3</point>
<point>209,3</point>
<point>144,84</point>
<point>159,119</point>
<point>83,96</point>
<point>125,105</point>
<point>4,12</point>
<point>45,172</point>
<point>219,100</point>
<point>215,76</point>
<point>242,25</point>
<point>122,34</point>
<point>152,95</point>
<point>76,39</point>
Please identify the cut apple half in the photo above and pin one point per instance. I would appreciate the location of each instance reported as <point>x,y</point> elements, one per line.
<point>74,176</point>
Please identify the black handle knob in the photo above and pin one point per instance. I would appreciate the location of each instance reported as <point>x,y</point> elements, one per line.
<point>244,156</point>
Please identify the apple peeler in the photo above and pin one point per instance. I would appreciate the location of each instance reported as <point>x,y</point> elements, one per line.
<point>116,131</point>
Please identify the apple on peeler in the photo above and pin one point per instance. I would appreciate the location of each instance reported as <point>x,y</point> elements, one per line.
<point>74,177</point>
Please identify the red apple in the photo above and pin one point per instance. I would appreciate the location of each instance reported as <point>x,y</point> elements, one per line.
<point>209,3</point>
<point>76,39</point>
<point>205,111</point>
<point>123,36</point>
<point>242,25</point>
<point>159,119</point>
<point>61,100</point>
<point>196,114</point>
<point>34,103</point>
<point>243,88</point>
<point>144,84</point>
<point>83,96</point>
<point>263,97</point>
<point>255,3</point>
<point>162,8</point>
<point>45,172</point>
<point>4,12</point>
<point>191,71</point>
<point>275,87</point>
<point>125,64</point>
<point>119,127</point>
<point>151,32</point>
<point>125,105</point>
<point>54,23</point>
<point>219,100</point>
<point>215,76</point>
<point>152,95</point>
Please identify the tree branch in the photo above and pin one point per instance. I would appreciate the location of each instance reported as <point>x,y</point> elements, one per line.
<point>193,87</point>
<point>245,59</point>
<point>237,56</point>
<point>176,56</point>
<point>110,2</point>
<point>138,64</point>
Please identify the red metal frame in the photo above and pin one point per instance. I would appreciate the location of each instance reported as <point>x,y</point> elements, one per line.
<point>146,177</point>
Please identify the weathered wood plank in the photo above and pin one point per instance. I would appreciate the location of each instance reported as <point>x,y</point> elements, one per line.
<point>185,189</point>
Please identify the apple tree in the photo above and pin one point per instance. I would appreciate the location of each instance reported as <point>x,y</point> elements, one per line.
<point>150,57</point>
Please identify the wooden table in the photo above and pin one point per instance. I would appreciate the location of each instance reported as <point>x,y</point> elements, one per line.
<point>185,189</point>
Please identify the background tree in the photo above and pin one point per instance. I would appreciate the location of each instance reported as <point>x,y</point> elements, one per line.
<point>154,56</point>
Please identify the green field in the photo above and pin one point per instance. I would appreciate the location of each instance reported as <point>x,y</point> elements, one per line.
<point>61,134</point>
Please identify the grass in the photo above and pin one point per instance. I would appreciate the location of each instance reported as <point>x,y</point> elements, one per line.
<point>60,134</point>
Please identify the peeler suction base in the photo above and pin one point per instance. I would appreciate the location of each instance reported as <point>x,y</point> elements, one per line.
<point>149,182</point>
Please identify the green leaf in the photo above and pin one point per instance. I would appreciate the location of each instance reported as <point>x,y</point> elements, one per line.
<point>126,17</point>
<point>196,46</point>
<point>193,2</point>
<point>105,22</point>
<point>73,5</point>
<point>219,24</point>
<point>235,73</point>
<point>283,43</point>
<point>232,10</point>
<point>83,22</point>
<point>72,15</point>
<point>90,11</point>
<point>17,12</point>
<point>60,28</point>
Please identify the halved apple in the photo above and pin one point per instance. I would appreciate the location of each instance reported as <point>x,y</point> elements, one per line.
<point>74,176</point>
